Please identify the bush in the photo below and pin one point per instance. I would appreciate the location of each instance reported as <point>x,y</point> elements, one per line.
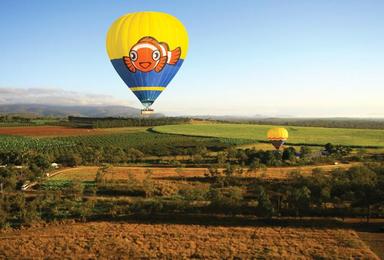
<point>227,200</point>
<point>194,194</point>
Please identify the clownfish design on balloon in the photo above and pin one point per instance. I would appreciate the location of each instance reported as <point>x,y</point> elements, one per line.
<point>147,49</point>
<point>149,54</point>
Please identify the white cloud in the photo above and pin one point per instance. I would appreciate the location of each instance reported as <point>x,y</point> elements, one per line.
<point>54,96</point>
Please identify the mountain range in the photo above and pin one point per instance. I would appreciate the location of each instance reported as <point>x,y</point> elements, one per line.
<point>34,110</point>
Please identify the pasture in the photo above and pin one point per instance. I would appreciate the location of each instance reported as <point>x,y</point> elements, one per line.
<point>88,173</point>
<point>297,135</point>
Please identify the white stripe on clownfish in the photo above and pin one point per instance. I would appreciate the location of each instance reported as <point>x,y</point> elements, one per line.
<point>144,45</point>
<point>169,56</point>
<point>163,50</point>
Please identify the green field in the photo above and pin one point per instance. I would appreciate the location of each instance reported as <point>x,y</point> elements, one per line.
<point>145,141</point>
<point>297,135</point>
<point>21,143</point>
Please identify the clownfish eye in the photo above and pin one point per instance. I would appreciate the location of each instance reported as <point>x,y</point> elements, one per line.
<point>156,55</point>
<point>133,55</point>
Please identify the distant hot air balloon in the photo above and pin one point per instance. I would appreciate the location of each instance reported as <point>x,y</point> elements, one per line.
<point>277,136</point>
<point>147,49</point>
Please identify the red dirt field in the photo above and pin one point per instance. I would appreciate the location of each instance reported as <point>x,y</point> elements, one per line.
<point>52,131</point>
<point>105,240</point>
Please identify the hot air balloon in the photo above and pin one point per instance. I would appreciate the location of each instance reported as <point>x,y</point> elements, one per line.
<point>147,49</point>
<point>277,136</point>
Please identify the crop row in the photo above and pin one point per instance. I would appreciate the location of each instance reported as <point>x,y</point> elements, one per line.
<point>148,142</point>
<point>18,143</point>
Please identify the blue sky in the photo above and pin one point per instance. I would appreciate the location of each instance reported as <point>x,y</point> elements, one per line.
<point>268,57</point>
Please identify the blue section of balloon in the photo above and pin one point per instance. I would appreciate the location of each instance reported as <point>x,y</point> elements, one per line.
<point>144,79</point>
<point>147,97</point>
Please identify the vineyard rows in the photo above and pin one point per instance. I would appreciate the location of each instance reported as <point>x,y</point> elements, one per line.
<point>146,141</point>
<point>18,143</point>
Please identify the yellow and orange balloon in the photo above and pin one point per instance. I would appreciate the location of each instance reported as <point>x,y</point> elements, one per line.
<point>277,136</point>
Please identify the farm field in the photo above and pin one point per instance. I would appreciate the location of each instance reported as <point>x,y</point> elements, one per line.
<point>108,239</point>
<point>139,139</point>
<point>297,135</point>
<point>88,173</point>
<point>57,131</point>
<point>129,137</point>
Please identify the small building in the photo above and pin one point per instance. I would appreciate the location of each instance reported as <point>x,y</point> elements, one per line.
<point>55,165</point>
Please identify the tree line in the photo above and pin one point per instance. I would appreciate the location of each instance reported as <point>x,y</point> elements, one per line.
<point>354,192</point>
<point>110,122</point>
<point>197,154</point>
<point>308,122</point>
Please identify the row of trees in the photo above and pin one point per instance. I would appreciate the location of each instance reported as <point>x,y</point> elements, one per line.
<point>110,122</point>
<point>289,156</point>
<point>196,154</point>
<point>332,122</point>
<point>358,191</point>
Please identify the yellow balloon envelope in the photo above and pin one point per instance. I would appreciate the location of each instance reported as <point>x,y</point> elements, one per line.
<point>147,49</point>
<point>277,136</point>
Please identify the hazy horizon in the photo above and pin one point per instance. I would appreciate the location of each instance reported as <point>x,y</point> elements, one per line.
<point>58,97</point>
<point>299,59</point>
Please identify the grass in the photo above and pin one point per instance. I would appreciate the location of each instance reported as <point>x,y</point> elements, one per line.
<point>55,184</point>
<point>181,241</point>
<point>88,173</point>
<point>297,135</point>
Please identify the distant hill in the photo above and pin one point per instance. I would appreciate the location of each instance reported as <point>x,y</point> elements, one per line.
<point>64,111</point>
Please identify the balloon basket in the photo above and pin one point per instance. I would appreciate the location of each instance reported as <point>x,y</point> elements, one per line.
<point>147,111</point>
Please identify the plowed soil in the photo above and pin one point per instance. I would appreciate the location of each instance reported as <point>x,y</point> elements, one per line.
<point>45,131</point>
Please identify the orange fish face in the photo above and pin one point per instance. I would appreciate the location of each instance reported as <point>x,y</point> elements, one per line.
<point>149,54</point>
<point>144,59</point>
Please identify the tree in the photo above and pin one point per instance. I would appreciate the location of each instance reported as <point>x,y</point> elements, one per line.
<point>305,152</point>
<point>100,174</point>
<point>41,161</point>
<point>363,182</point>
<point>229,170</point>
<point>221,158</point>
<point>299,199</point>
<point>70,160</point>
<point>264,206</point>
<point>228,199</point>
<point>85,209</point>
<point>254,165</point>
<point>75,189</point>
<point>289,154</point>
<point>8,179</point>
<point>3,218</point>
<point>133,155</point>
<point>148,184</point>
<point>213,171</point>
<point>337,150</point>
<point>197,158</point>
